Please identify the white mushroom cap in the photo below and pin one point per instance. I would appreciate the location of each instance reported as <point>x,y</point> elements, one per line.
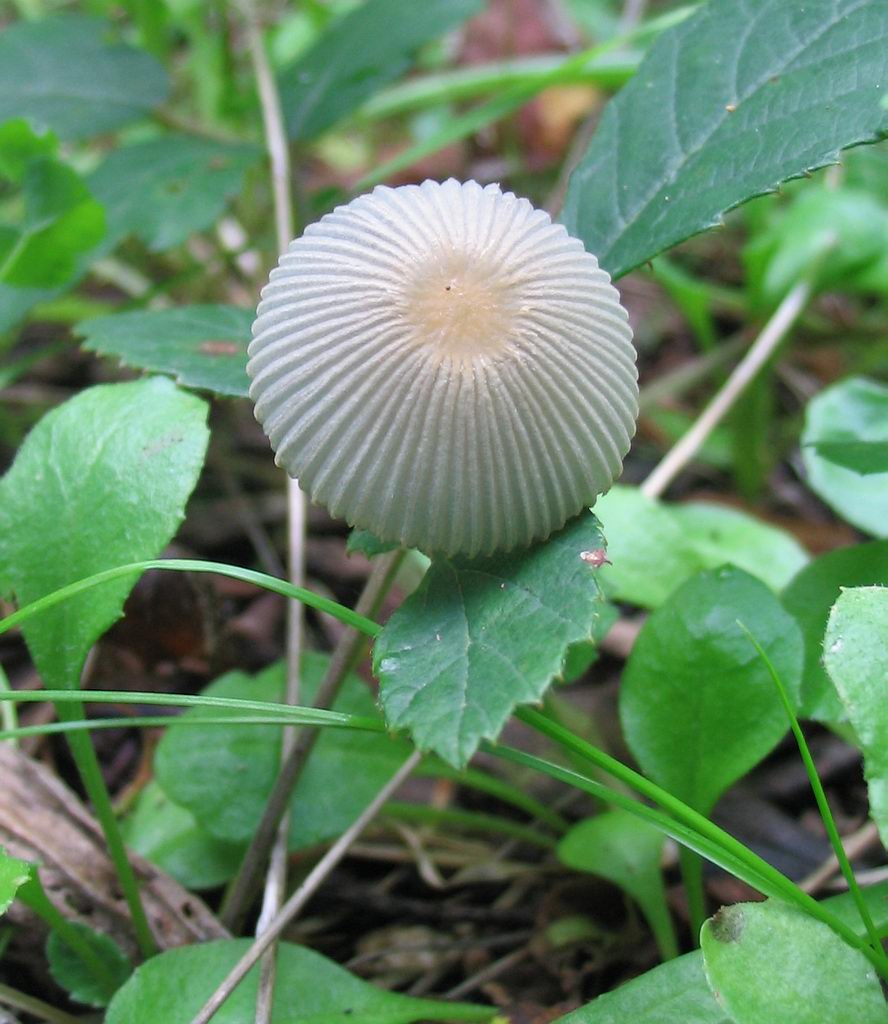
<point>444,366</point>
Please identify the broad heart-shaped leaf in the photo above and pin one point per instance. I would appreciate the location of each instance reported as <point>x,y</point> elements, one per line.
<point>100,481</point>
<point>725,106</point>
<point>342,70</point>
<point>480,636</point>
<point>223,775</point>
<point>310,989</point>
<point>74,975</point>
<point>768,963</point>
<point>855,652</point>
<point>854,409</point>
<point>165,189</point>
<point>64,73</point>
<point>625,850</point>
<point>201,346</point>
<point>654,546</point>
<point>170,837</point>
<point>13,874</point>
<point>677,992</point>
<point>809,597</point>
<point>61,223</point>
<point>698,706</point>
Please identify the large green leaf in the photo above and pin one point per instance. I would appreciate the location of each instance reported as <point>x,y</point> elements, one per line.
<point>13,874</point>
<point>654,546</point>
<point>809,598</point>
<point>725,106</point>
<point>698,707</point>
<point>768,963</point>
<point>625,850</point>
<point>61,223</point>
<point>310,989</point>
<point>65,74</point>
<point>76,977</point>
<point>480,636</point>
<point>855,652</point>
<point>343,69</point>
<point>99,482</point>
<point>677,992</point>
<point>170,837</point>
<point>201,346</point>
<point>223,775</point>
<point>854,410</point>
<point>165,189</point>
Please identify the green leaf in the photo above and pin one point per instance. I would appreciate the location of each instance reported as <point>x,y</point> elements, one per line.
<point>854,410</point>
<point>368,544</point>
<point>201,346</point>
<point>166,189</point>
<point>19,145</point>
<point>655,546</point>
<point>618,846</point>
<point>76,978</point>
<point>64,74</point>
<point>224,775</point>
<point>342,70</point>
<point>677,992</point>
<point>768,963</point>
<point>480,636</point>
<point>99,482</point>
<point>310,989</point>
<point>170,837</point>
<point>863,457</point>
<point>13,874</point>
<point>673,993</point>
<point>698,707</point>
<point>809,597</point>
<point>855,652</point>
<point>61,223</point>
<point>848,223</point>
<point>726,106</point>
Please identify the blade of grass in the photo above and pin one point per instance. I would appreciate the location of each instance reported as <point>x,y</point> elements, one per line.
<point>259,579</point>
<point>820,796</point>
<point>720,840</point>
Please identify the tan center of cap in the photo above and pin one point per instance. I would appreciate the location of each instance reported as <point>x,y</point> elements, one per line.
<point>462,309</point>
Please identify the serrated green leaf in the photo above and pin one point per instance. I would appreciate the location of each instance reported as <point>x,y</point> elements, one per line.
<point>654,546</point>
<point>618,846</point>
<point>63,73</point>
<point>698,707</point>
<point>224,776</point>
<point>768,963</point>
<point>341,70</point>
<point>677,992</point>
<point>61,223</point>
<point>481,636</point>
<point>13,874</point>
<point>170,837</point>
<point>99,482</point>
<point>854,410</point>
<point>726,106</point>
<point>310,989</point>
<point>203,347</point>
<point>75,976</point>
<point>809,598</point>
<point>166,189</point>
<point>855,652</point>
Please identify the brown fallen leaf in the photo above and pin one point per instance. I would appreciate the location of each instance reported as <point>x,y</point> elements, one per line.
<point>42,820</point>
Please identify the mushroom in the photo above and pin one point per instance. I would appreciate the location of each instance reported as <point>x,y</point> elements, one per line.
<point>443,365</point>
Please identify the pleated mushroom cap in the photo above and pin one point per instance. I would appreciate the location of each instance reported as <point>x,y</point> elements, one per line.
<point>444,366</point>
